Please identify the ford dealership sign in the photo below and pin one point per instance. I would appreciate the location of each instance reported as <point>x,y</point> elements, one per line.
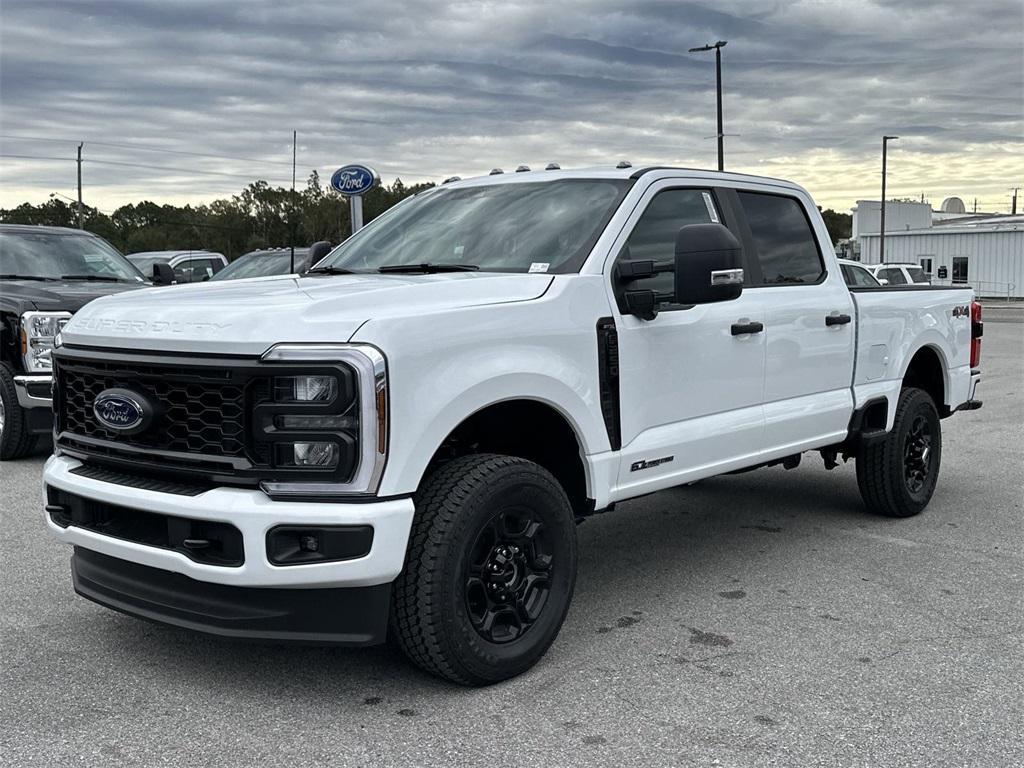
<point>354,179</point>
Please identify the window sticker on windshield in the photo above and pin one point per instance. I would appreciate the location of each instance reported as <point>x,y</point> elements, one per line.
<point>711,207</point>
<point>539,266</point>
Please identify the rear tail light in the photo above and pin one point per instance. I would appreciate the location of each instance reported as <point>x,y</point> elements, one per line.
<point>977,331</point>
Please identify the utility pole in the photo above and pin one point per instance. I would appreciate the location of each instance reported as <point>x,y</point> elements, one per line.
<point>1013,205</point>
<point>291,216</point>
<point>881,229</point>
<point>717,48</point>
<point>80,222</point>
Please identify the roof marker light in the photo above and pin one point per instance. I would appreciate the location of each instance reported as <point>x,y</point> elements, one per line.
<point>495,171</point>
<point>624,164</point>
<point>450,179</point>
<point>522,169</point>
<point>552,167</point>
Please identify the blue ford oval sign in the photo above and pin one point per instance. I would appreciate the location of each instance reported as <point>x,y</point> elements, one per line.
<point>120,410</point>
<point>354,179</point>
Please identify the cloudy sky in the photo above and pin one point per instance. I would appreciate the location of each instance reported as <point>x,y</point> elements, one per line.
<point>424,89</point>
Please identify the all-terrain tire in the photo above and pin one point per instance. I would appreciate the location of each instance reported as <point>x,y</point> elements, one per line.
<point>15,439</point>
<point>481,517</point>
<point>893,476</point>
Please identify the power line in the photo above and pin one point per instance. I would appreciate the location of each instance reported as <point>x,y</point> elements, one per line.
<point>146,148</point>
<point>172,169</point>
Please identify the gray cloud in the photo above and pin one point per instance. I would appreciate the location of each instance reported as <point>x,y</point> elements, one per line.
<point>426,89</point>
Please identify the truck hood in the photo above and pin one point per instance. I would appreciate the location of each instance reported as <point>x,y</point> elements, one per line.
<point>245,317</point>
<point>59,295</point>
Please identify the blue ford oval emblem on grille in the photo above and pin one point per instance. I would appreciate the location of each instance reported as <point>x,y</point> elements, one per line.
<point>120,410</point>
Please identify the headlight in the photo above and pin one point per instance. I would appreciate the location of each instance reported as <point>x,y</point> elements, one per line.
<point>325,430</point>
<point>38,330</point>
<point>305,389</point>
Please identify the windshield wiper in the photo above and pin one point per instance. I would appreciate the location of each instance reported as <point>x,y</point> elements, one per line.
<point>26,277</point>
<point>428,268</point>
<point>95,278</point>
<point>329,271</point>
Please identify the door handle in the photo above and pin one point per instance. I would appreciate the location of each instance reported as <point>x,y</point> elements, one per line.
<point>837,319</point>
<point>738,329</point>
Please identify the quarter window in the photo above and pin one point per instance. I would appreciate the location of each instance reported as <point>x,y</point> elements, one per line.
<point>654,236</point>
<point>786,247</point>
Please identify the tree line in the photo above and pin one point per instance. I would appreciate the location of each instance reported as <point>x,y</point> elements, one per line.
<point>261,216</point>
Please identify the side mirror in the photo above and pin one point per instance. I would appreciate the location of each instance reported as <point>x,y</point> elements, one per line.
<point>162,274</point>
<point>317,251</point>
<point>708,264</point>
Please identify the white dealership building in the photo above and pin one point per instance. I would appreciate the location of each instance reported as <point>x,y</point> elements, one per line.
<point>983,250</point>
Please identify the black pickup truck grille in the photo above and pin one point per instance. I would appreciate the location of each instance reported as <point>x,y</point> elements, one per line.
<point>201,410</point>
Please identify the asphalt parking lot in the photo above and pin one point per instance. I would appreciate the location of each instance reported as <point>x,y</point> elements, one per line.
<point>757,619</point>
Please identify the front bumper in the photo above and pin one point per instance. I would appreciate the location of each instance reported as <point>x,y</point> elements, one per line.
<point>346,616</point>
<point>253,514</point>
<point>33,391</point>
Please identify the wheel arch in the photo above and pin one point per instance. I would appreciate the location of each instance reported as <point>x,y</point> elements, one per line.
<point>927,369</point>
<point>547,427</point>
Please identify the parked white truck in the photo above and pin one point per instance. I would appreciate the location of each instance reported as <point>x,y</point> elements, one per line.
<point>403,440</point>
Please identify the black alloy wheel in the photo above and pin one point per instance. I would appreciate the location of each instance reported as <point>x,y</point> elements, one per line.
<point>508,575</point>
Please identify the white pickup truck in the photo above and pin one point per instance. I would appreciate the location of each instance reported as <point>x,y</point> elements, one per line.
<point>403,440</point>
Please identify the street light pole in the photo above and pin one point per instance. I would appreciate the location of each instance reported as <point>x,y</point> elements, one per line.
<point>717,47</point>
<point>881,233</point>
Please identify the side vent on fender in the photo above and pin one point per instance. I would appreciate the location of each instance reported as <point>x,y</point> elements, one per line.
<point>608,378</point>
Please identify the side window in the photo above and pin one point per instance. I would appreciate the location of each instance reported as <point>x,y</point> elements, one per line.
<point>786,247</point>
<point>862,277</point>
<point>893,274</point>
<point>654,236</point>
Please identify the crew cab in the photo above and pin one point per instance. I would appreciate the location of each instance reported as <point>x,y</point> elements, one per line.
<point>186,266</point>
<point>46,274</point>
<point>403,439</point>
<point>910,275</point>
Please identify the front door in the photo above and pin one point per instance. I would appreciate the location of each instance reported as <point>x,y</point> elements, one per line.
<point>690,386</point>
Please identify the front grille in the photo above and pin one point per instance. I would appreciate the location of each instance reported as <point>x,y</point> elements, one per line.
<point>206,419</point>
<point>200,410</point>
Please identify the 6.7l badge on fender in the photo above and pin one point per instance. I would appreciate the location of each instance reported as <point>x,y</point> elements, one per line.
<point>122,410</point>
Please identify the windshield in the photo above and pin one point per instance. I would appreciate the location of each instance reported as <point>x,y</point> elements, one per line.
<point>145,263</point>
<point>52,256</point>
<point>918,275</point>
<point>263,263</point>
<point>526,227</point>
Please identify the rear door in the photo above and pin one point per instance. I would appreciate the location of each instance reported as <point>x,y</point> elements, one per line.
<point>809,327</point>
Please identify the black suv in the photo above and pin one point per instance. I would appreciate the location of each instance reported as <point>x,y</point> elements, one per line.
<point>46,274</point>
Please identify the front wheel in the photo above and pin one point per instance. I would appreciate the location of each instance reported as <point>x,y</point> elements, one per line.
<point>15,439</point>
<point>897,474</point>
<point>489,571</point>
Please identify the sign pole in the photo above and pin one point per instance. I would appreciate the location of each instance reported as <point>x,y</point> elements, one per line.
<point>355,212</point>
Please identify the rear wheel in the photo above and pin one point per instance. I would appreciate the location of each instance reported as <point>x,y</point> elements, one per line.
<point>15,439</point>
<point>489,571</point>
<point>897,474</point>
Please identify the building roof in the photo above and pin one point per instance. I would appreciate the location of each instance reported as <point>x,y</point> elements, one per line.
<point>960,226</point>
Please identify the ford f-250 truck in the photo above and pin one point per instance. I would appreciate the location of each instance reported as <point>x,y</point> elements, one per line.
<point>402,440</point>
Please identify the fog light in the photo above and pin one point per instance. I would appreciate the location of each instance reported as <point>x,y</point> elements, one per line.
<point>309,543</point>
<point>305,389</point>
<point>309,455</point>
